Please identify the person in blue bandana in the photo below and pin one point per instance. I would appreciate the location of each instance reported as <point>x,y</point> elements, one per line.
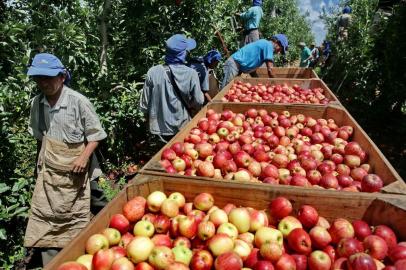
<point>343,22</point>
<point>251,19</point>
<point>253,55</point>
<point>171,92</point>
<point>203,66</point>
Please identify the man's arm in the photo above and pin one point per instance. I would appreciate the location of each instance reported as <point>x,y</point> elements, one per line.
<point>80,163</point>
<point>269,66</point>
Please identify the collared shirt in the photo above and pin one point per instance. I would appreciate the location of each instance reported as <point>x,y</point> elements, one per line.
<point>166,112</point>
<point>72,119</point>
<point>253,55</point>
<point>303,56</point>
<point>252,17</point>
<point>203,73</point>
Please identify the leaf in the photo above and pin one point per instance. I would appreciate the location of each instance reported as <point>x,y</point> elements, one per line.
<point>3,235</point>
<point>3,188</point>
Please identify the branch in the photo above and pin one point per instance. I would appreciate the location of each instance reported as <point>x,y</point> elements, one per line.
<point>104,35</point>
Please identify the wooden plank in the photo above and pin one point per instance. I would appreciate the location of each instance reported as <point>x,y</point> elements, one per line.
<point>374,208</point>
<point>379,164</point>
<point>304,83</point>
<point>300,73</point>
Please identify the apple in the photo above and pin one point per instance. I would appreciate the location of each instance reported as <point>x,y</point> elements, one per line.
<point>126,239</point>
<point>301,261</point>
<point>201,260</point>
<point>119,222</point>
<point>168,154</point>
<point>144,228</point>
<point>242,159</point>
<point>314,177</point>
<point>179,198</point>
<point>182,254</point>
<point>267,234</point>
<point>112,235</point>
<point>72,266</point>
<point>288,224</point>
<point>161,257</point>
<point>122,264</point>
<point>252,258</point>
<point>401,264</point>
<point>242,175</point>
<point>188,227</point>
<point>139,249</point>
<point>285,262</point>
<point>177,266</point>
<point>218,217</point>
<point>205,230</point>
<point>341,228</point>
<point>155,200</point>
<point>263,265</point>
<point>349,246</point>
<point>205,169</point>
<point>96,242</point>
<point>371,183</point>
<point>229,229</point>
<point>162,240</point>
<point>320,237</point>
<point>242,248</point>
<point>340,264</point>
<point>387,234</point>
<point>308,216</point>
<point>258,219</point>
<point>352,161</point>
<point>376,247</point>
<point>228,261</point>
<point>179,164</point>
<point>86,260</point>
<point>161,223</point>
<point>204,150</point>
<point>319,260</point>
<point>397,253</point>
<point>323,222</point>
<point>240,218</point>
<point>271,251</point>
<point>360,261</point>
<point>220,243</point>
<point>361,229</point>
<point>170,208</point>
<point>182,241</point>
<point>134,209</point>
<point>247,237</point>
<point>280,207</point>
<point>119,252</point>
<point>143,266</point>
<point>299,240</point>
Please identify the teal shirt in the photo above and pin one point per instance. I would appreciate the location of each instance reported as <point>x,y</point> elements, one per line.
<point>254,54</point>
<point>303,56</point>
<point>252,17</point>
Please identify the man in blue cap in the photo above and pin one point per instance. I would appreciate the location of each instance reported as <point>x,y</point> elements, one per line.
<point>68,131</point>
<point>343,22</point>
<point>251,56</point>
<point>172,91</point>
<point>203,66</point>
<point>252,18</point>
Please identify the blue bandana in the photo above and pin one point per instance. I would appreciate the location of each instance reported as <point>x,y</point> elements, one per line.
<point>257,2</point>
<point>212,56</point>
<point>177,47</point>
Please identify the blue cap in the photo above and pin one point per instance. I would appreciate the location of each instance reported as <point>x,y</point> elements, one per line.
<point>211,56</point>
<point>45,64</point>
<point>283,40</point>
<point>179,43</point>
<point>257,2</point>
<point>347,10</point>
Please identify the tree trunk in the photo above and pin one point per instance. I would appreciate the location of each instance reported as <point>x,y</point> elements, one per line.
<point>104,35</point>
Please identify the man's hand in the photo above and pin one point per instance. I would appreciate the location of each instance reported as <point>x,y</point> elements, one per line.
<point>80,164</point>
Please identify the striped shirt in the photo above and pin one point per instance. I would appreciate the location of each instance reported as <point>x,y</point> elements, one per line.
<point>71,120</point>
<point>159,100</point>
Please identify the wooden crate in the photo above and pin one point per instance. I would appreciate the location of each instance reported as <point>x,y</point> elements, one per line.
<point>294,73</point>
<point>304,83</point>
<point>374,208</point>
<point>379,164</point>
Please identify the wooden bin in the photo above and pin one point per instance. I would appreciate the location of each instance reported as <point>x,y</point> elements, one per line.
<point>379,164</point>
<point>374,208</point>
<point>293,72</point>
<point>304,83</point>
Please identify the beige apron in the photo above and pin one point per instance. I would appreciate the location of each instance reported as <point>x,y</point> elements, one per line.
<point>60,206</point>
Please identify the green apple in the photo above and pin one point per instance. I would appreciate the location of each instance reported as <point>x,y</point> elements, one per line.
<point>182,254</point>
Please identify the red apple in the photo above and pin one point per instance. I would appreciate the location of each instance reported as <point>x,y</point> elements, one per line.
<point>371,183</point>
<point>376,247</point>
<point>206,169</point>
<point>341,228</point>
<point>299,241</point>
<point>119,222</point>
<point>182,241</point>
<point>162,240</point>
<point>134,209</point>
<point>168,154</point>
<point>285,262</point>
<point>387,234</point>
<point>320,237</point>
<point>361,229</point>
<point>301,261</point>
<point>361,261</point>
<point>201,260</point>
<point>263,265</point>
<point>203,201</point>
<point>228,261</point>
<point>271,251</point>
<point>122,264</point>
<point>397,253</point>
<point>349,246</point>
<point>72,266</point>
<point>143,266</point>
<point>308,216</point>
<point>280,207</point>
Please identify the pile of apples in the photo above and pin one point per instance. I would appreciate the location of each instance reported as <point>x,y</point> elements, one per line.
<point>273,148</point>
<point>246,92</point>
<point>163,232</point>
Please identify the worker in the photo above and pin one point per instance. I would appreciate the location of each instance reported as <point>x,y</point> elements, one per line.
<point>343,22</point>
<point>171,93</point>
<point>251,20</point>
<point>314,55</point>
<point>203,66</point>
<point>326,48</point>
<point>68,131</point>
<point>305,55</point>
<point>253,55</point>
